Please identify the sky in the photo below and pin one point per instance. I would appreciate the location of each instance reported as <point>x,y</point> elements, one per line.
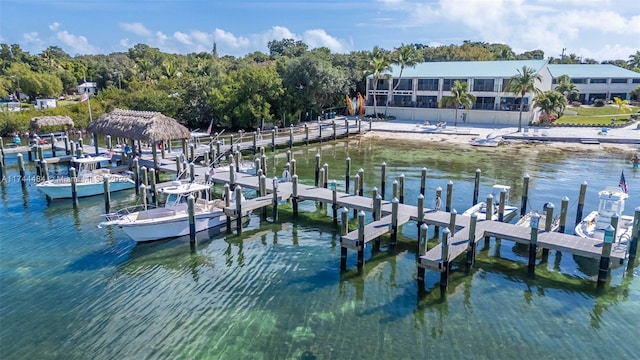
<point>595,29</point>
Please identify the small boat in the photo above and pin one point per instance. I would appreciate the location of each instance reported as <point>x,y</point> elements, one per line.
<point>610,201</point>
<point>148,223</point>
<point>89,180</point>
<point>525,221</point>
<point>481,207</point>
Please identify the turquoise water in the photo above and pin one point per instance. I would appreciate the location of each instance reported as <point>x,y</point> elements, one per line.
<point>70,290</point>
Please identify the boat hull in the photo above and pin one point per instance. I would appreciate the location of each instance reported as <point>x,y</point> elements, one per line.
<point>63,190</point>
<point>178,225</point>
<point>587,228</point>
<point>480,210</point>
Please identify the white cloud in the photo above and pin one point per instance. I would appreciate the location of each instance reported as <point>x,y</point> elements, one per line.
<point>77,43</point>
<point>136,28</point>
<point>319,38</point>
<point>54,26</point>
<point>32,40</point>
<point>226,39</point>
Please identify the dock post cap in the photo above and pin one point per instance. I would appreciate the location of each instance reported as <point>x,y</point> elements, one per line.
<point>455,212</point>
<point>446,231</point>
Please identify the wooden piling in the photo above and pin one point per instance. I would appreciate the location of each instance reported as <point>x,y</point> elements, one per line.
<point>394,189</point>
<point>192,172</point>
<point>533,244</point>
<point>52,141</point>
<point>449,200</point>
<point>346,125</point>
<point>547,226</point>
<point>525,195</point>
<point>335,135</point>
<point>238,195</point>
<point>275,199</point>
<point>436,228</point>
<point>232,176</point>
<point>191,208</point>
<point>422,250</point>
<point>476,186</point>
<point>44,169</point>
<point>136,174</point>
<point>420,208</point>
<point>66,145</point>
<point>325,179</point>
<point>263,164</point>
<point>394,222</point>
<point>291,137</point>
<point>255,142</point>
<point>633,244</point>
<point>294,167</point>
<point>383,176</point>
<point>347,176</point>
<point>74,186</point>
<point>444,274</point>
<point>401,180</point>
<point>452,221</point>
<point>72,148</point>
<point>154,188</point>
<point>21,169</point>
<point>273,140</point>
<point>334,201</point>
<point>95,143</point>
<point>306,134</point>
<point>564,206</point>
<point>502,204</point>
<point>294,195</point>
<point>107,194</point>
<point>423,181</point>
<point>488,215</point>
<point>227,203</point>
<point>143,197</point>
<point>605,256</point>
<point>262,186</point>
<point>317,169</point>
<point>361,244</point>
<point>2,175</point>
<point>344,230</point>
<point>583,193</point>
<point>377,203</point>
<point>471,252</point>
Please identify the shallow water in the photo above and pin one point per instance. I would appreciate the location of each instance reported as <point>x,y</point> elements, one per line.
<point>72,291</point>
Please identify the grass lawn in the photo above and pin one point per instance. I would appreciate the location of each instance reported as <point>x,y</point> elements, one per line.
<point>597,116</point>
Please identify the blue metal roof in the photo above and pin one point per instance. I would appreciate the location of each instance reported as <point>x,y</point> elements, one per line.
<point>591,71</point>
<point>468,69</point>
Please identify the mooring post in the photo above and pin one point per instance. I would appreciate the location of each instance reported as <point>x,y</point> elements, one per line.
<point>143,191</point>
<point>317,169</point>
<point>273,139</point>
<point>436,228</point>
<point>583,193</point>
<point>360,240</point>
<point>72,148</point>
<point>344,230</point>
<point>144,176</point>
<point>333,124</point>
<point>74,186</point>
<point>401,180</point>
<point>52,141</point>
<point>192,172</point>
<point>476,186</point>
<point>65,139</point>
<point>452,221</point>
<point>394,222</point>
<point>449,200</point>
<point>263,192</point>
<point>2,176</point>
<point>377,204</point>
<point>347,176</point>
<point>548,223</point>
<point>488,216</point>
<point>533,243</point>
<point>383,176</point>
<point>232,176</point>
<point>306,134</point>
<point>238,196</point>
<point>21,169</point>
<point>291,137</point>
<point>501,204</point>
<point>423,181</point>
<point>80,144</point>
<point>394,189</point>
<point>191,209</point>
<point>420,214</point>
<point>361,182</point>
<point>275,199</point>
<point>422,250</point>
<point>471,252</point>
<point>289,156</point>
<point>218,151</point>
<point>95,143</point>
<point>359,125</point>
<point>294,194</point>
<point>263,164</point>
<point>633,244</point>
<point>44,169</point>
<point>605,256</point>
<point>444,273</point>
<point>325,167</point>
<point>237,158</point>
<point>564,205</point>
<point>255,142</point>
<point>154,189</point>
<point>107,195</point>
<point>321,184</point>
<point>334,200</point>
<point>192,153</point>
<point>178,166</point>
<point>346,126</point>
<point>320,131</point>
<point>227,204</point>
<point>136,174</point>
<point>525,195</point>
<point>294,168</point>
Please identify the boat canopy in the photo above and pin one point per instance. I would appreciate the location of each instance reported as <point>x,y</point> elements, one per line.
<point>181,188</point>
<point>90,159</point>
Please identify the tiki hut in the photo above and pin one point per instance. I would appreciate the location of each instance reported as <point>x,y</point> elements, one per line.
<point>143,126</point>
<point>37,123</point>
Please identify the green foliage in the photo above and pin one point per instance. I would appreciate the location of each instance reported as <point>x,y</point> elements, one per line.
<point>522,83</point>
<point>550,102</point>
<point>598,103</point>
<point>459,97</point>
<point>606,111</point>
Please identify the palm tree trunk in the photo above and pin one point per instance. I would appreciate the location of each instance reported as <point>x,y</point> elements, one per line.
<point>455,116</point>
<point>375,111</point>
<point>520,115</point>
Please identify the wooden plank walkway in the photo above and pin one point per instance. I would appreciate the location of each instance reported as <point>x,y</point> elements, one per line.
<point>372,231</point>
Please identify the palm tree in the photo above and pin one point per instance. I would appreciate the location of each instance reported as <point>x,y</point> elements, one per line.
<point>634,60</point>
<point>405,56</point>
<point>379,66</point>
<point>566,87</point>
<point>621,104</point>
<point>522,83</point>
<point>459,96</point>
<point>550,102</point>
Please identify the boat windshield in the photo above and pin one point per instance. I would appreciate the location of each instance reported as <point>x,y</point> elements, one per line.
<point>176,200</point>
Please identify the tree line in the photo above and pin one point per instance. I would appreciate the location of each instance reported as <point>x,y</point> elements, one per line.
<point>289,84</point>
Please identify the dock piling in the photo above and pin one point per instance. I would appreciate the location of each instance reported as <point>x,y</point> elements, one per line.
<point>273,140</point>
<point>21,169</point>
<point>154,189</point>
<point>294,195</point>
<point>605,257</point>
<point>422,250</point>
<point>361,244</point>
<point>564,205</point>
<point>263,164</point>
<point>361,182</point>
<point>635,234</point>
<point>394,189</point>
<point>547,225</point>
<point>420,214</point>
<point>501,204</point>
<point>471,252</point>
<point>449,196</point>
<point>423,181</point>
<point>317,169</point>
<point>444,274</point>
<point>232,176</point>
<point>401,180</point>
<point>525,195</point>
<point>383,175</point>
<point>334,199</point>
<point>533,243</point>
<point>192,171</point>
<point>52,141</point>
<point>476,186</point>
<point>583,193</point>
<point>344,230</point>
<point>325,167</point>
<point>136,174</point>
<point>394,222</point>
<point>294,168</point>
<point>44,169</point>
<point>227,203</point>
<point>347,176</point>
<point>66,144</point>
<point>238,194</point>
<point>488,216</point>
<point>452,221</point>
<point>275,199</point>
<point>192,218</point>
<point>74,186</point>
<point>107,195</point>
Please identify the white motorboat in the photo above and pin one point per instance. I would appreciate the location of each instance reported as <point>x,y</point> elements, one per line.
<point>610,201</point>
<point>147,223</point>
<point>89,180</point>
<point>481,208</point>
<point>525,220</point>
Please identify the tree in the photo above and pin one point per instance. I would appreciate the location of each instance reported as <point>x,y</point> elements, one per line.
<point>567,88</point>
<point>635,93</point>
<point>405,56</point>
<point>379,66</point>
<point>286,47</point>
<point>459,97</point>
<point>550,102</point>
<point>621,104</point>
<point>634,60</point>
<point>522,83</point>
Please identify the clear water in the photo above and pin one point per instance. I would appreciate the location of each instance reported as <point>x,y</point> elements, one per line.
<point>69,290</point>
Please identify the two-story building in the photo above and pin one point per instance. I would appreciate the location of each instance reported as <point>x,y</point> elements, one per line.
<point>419,90</point>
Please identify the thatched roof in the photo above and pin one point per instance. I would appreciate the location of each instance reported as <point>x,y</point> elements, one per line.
<point>39,122</point>
<point>139,125</point>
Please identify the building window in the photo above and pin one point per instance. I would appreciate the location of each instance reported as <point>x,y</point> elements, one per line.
<point>402,101</point>
<point>621,96</point>
<point>579,81</point>
<point>636,81</point>
<point>428,84</point>
<point>405,84</point>
<point>553,81</point>
<point>483,85</point>
<point>430,102</point>
<point>448,83</point>
<point>513,104</point>
<point>484,103</point>
<point>598,81</point>
<point>618,81</point>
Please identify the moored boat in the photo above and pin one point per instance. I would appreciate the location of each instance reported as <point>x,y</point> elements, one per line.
<point>148,223</point>
<point>481,208</point>
<point>525,220</point>
<point>90,180</point>
<point>610,201</point>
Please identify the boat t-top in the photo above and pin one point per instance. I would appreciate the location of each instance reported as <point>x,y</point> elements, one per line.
<point>147,223</point>
<point>89,182</point>
<point>481,207</point>
<point>610,201</point>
